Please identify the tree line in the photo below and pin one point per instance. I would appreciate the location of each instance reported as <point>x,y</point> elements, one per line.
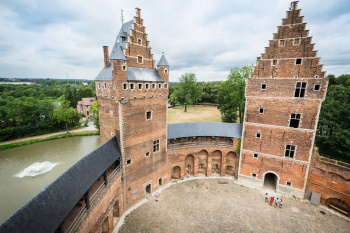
<point>333,132</point>
<point>27,110</point>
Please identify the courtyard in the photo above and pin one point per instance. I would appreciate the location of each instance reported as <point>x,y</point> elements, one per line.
<point>221,205</point>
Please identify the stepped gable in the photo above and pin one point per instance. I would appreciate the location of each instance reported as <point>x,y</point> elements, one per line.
<point>137,45</point>
<point>290,53</point>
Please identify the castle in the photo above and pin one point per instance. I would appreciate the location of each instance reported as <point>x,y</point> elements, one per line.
<point>141,153</point>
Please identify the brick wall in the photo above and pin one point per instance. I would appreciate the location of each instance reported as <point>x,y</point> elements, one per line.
<point>330,180</point>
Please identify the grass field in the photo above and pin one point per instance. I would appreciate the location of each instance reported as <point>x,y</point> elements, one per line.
<point>198,113</point>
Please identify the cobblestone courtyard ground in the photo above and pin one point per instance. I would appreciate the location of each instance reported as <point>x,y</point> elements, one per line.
<point>205,205</point>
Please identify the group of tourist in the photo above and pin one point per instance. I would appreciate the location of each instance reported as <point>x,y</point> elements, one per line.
<point>273,200</point>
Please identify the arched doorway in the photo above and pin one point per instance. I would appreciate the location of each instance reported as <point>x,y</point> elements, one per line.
<point>105,225</point>
<point>338,205</point>
<point>116,209</point>
<point>189,164</point>
<point>270,181</point>
<point>202,161</point>
<point>231,159</point>
<point>216,162</point>
<point>148,188</point>
<point>176,172</point>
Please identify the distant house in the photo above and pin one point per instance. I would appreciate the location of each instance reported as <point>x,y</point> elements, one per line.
<point>84,104</point>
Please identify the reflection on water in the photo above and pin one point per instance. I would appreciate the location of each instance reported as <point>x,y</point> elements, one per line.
<point>49,159</point>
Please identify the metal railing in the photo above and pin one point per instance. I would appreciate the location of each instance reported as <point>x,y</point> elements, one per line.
<point>334,162</point>
<point>92,200</point>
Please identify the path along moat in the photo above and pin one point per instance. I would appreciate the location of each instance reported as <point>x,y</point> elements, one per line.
<point>26,170</point>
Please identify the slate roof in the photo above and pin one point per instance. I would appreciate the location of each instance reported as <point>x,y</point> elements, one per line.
<point>143,74</point>
<point>197,129</point>
<point>48,209</point>
<point>123,33</point>
<point>163,61</point>
<point>105,74</point>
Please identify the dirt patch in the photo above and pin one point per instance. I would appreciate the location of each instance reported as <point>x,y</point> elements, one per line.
<point>198,113</point>
<point>212,205</point>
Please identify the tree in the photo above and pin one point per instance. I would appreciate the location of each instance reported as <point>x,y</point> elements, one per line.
<point>333,132</point>
<point>85,92</point>
<point>69,95</point>
<point>188,91</point>
<point>231,94</point>
<point>65,113</point>
<point>93,109</point>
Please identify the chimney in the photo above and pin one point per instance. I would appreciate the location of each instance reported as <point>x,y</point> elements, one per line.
<point>106,56</point>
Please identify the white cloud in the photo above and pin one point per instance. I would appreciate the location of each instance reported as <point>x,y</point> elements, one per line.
<point>44,39</point>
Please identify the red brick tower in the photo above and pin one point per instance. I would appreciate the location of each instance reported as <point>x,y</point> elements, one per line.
<point>283,101</point>
<point>132,97</point>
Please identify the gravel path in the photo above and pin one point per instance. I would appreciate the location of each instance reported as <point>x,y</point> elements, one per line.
<point>205,205</point>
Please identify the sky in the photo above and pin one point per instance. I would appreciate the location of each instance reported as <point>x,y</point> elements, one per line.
<point>61,38</point>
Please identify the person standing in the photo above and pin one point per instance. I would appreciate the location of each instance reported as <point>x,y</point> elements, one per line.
<point>280,203</point>
<point>271,200</point>
<point>266,198</point>
<point>276,202</point>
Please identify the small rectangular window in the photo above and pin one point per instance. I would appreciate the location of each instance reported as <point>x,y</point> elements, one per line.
<point>154,86</point>
<point>261,110</point>
<point>258,135</point>
<point>298,61</point>
<point>128,162</point>
<point>156,145</point>
<point>290,151</point>
<point>131,86</point>
<point>139,41</point>
<point>160,181</point>
<point>149,115</point>
<point>296,41</point>
<point>124,67</point>
<point>282,42</point>
<point>159,86</point>
<point>165,86</point>
<point>317,87</point>
<point>139,59</point>
<point>165,71</point>
<point>294,120</point>
<point>289,183</point>
<point>125,86</point>
<point>147,154</point>
<point>140,86</point>
<point>99,85</point>
<point>300,88</point>
<point>147,86</point>
<point>274,62</point>
<point>256,155</point>
<point>263,86</point>
<point>104,85</point>
<point>253,175</point>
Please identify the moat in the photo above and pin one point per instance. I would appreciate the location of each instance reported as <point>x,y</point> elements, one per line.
<point>26,170</point>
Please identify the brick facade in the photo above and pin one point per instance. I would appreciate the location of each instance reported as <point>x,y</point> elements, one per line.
<point>283,100</point>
